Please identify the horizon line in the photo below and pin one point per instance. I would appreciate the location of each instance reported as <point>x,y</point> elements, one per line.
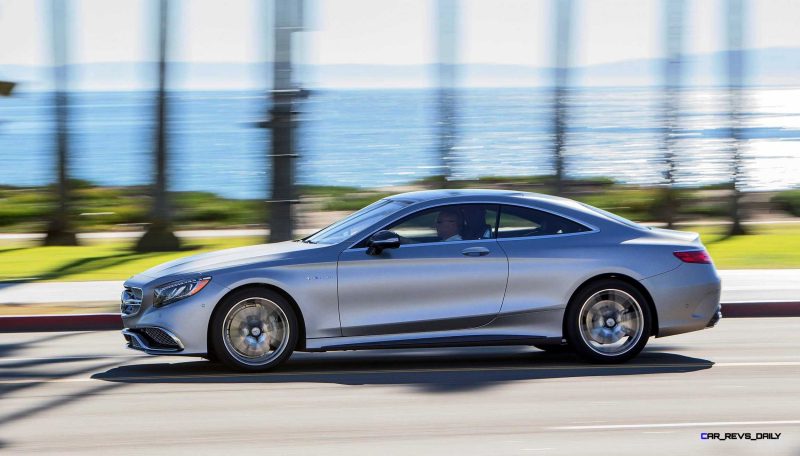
<point>264,62</point>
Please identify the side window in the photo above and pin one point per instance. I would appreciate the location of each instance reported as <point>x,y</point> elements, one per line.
<point>455,222</point>
<point>419,227</point>
<point>518,221</point>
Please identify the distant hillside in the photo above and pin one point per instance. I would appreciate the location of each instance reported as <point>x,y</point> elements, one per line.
<point>765,67</point>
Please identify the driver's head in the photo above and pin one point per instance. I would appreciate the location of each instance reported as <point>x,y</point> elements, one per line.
<point>448,223</point>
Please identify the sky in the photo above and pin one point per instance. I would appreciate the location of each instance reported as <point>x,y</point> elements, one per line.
<point>372,32</point>
<point>386,32</point>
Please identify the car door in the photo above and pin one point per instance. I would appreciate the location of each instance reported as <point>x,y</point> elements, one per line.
<point>428,283</point>
<point>547,253</point>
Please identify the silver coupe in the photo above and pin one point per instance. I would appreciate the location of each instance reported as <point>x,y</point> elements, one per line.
<point>431,269</point>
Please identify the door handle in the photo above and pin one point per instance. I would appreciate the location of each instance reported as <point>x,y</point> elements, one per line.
<point>475,251</point>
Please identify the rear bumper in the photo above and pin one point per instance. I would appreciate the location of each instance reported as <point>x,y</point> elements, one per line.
<point>686,298</point>
<point>715,319</point>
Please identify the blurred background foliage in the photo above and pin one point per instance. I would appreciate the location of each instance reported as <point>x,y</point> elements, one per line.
<point>695,138</point>
<point>96,208</point>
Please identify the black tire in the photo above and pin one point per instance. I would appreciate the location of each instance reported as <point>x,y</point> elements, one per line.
<point>604,293</point>
<point>251,298</point>
<point>212,358</point>
<point>554,349</point>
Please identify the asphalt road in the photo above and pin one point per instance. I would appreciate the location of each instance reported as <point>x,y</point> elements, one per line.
<point>83,393</point>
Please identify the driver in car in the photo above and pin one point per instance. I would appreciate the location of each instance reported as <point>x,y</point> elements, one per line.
<point>448,225</point>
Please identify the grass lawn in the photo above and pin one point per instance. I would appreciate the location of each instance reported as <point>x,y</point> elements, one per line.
<point>769,246</point>
<point>766,247</point>
<point>96,260</point>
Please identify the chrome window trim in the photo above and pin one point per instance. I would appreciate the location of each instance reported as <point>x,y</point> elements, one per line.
<point>545,236</point>
<point>592,228</point>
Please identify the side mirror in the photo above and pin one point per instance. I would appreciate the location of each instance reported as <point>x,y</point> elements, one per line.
<point>382,240</point>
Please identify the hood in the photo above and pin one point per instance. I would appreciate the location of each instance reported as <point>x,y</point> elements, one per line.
<point>229,258</point>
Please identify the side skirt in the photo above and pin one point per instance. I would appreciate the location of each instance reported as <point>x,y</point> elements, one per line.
<point>518,328</point>
<point>434,342</point>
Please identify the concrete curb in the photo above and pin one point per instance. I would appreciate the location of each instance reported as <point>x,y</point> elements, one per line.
<point>112,321</point>
<point>66,322</point>
<point>761,309</point>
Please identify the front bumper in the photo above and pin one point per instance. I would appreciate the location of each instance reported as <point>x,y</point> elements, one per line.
<point>185,321</point>
<point>152,340</point>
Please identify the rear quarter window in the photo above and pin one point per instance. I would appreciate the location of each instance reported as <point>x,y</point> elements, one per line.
<point>518,221</point>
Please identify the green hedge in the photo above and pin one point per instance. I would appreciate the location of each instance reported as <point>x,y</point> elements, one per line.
<point>788,201</point>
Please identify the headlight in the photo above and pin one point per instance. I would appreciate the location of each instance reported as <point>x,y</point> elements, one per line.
<point>175,291</point>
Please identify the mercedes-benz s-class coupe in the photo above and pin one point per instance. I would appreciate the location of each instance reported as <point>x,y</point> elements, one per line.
<point>429,269</point>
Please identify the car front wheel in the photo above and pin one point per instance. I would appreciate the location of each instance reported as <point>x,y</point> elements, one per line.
<point>609,321</point>
<point>254,330</point>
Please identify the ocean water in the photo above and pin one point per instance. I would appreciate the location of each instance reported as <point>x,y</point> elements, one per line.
<point>375,138</point>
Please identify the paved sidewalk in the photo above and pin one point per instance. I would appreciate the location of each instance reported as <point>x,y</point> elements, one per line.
<point>737,285</point>
<point>51,292</point>
<point>760,285</point>
<point>187,234</point>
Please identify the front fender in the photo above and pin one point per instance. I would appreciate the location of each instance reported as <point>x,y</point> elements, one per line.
<point>312,286</point>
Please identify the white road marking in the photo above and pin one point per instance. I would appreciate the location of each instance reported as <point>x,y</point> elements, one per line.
<point>672,425</point>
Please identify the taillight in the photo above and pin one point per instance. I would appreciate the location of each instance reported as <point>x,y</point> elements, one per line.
<point>693,256</point>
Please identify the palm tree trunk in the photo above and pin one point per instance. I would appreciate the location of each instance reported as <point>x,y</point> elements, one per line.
<point>562,53</point>
<point>159,236</point>
<point>672,83</point>
<point>735,18</point>
<point>446,44</point>
<point>59,231</point>
<point>6,87</point>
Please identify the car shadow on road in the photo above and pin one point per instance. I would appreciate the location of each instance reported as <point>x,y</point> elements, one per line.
<point>430,370</point>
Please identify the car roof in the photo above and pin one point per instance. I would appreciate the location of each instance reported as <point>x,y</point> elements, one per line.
<point>503,196</point>
<point>431,195</point>
<point>477,193</point>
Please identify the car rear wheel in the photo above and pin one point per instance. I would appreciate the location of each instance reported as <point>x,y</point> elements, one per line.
<point>609,321</point>
<point>254,330</point>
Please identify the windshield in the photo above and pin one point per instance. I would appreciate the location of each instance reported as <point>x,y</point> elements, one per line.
<point>356,222</point>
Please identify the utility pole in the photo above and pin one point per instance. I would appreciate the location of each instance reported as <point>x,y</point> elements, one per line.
<point>562,51</point>
<point>735,30</point>
<point>447,61</point>
<point>288,19</point>
<point>59,231</point>
<point>673,68</point>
